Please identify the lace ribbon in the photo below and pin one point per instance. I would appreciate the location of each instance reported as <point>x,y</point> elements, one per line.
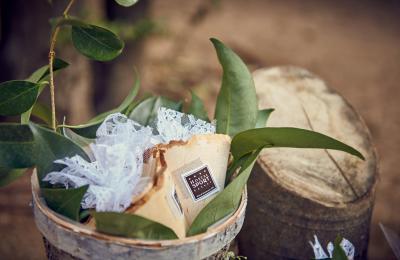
<point>114,175</point>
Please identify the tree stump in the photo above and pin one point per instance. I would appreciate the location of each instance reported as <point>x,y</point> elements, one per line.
<point>296,193</point>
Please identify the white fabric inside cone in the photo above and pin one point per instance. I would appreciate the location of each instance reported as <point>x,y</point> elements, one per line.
<point>114,175</point>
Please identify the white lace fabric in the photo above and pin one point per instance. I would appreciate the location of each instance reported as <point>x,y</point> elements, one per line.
<point>319,252</point>
<point>173,125</point>
<point>114,175</point>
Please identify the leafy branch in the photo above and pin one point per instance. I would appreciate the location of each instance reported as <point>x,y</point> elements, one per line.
<point>52,54</point>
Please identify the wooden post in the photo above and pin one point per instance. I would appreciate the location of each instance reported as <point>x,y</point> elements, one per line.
<point>296,193</point>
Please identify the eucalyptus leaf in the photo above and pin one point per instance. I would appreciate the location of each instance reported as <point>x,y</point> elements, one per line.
<point>250,140</point>
<point>66,202</point>
<point>197,108</point>
<point>40,76</point>
<point>78,139</point>
<point>131,226</point>
<point>50,146</point>
<point>17,96</point>
<point>236,164</point>
<point>236,108</point>
<point>42,112</point>
<point>96,42</point>
<point>146,111</point>
<point>126,3</point>
<point>26,116</point>
<point>262,117</point>
<point>9,175</point>
<point>17,146</point>
<point>338,252</point>
<point>226,202</point>
<point>89,129</point>
<point>43,72</point>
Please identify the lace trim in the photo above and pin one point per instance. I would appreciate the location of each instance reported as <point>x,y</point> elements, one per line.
<point>115,174</point>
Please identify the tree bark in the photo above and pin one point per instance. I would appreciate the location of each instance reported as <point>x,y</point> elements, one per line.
<point>298,193</point>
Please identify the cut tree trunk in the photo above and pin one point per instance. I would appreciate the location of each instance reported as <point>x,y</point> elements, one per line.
<point>295,194</point>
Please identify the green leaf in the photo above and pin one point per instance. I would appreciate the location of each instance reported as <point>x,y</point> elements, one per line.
<point>50,146</point>
<point>89,129</point>
<point>9,175</point>
<point>126,3</point>
<point>26,116</point>
<point>17,96</point>
<point>17,146</point>
<point>42,112</point>
<point>43,72</point>
<point>78,139</point>
<point>236,108</point>
<point>131,226</point>
<point>96,42</point>
<point>262,117</point>
<point>197,108</point>
<point>66,202</point>
<point>146,111</point>
<point>236,164</point>
<point>250,140</point>
<point>40,75</point>
<point>226,202</point>
<point>338,252</point>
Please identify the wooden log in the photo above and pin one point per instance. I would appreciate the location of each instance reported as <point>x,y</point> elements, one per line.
<point>296,193</point>
<point>66,239</point>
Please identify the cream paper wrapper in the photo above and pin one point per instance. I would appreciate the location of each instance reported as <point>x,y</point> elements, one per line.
<point>161,203</point>
<point>198,168</point>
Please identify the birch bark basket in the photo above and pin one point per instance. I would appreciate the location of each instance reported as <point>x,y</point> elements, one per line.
<point>296,193</point>
<point>66,239</point>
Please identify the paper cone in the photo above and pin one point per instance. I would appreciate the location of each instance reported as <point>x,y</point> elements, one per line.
<point>198,168</point>
<point>161,203</point>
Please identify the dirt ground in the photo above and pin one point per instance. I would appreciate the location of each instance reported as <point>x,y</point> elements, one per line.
<point>353,45</point>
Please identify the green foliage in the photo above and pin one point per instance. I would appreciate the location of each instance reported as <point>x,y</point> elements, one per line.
<point>17,146</point>
<point>250,140</point>
<point>131,226</point>
<point>338,252</point>
<point>40,76</point>
<point>126,3</point>
<point>78,139</point>
<point>50,146</point>
<point>17,96</point>
<point>43,72</point>
<point>89,129</point>
<point>226,202</point>
<point>66,202</point>
<point>197,108</point>
<point>42,112</point>
<point>96,42</point>
<point>9,175</point>
<point>236,108</point>
<point>262,117</point>
<point>146,111</point>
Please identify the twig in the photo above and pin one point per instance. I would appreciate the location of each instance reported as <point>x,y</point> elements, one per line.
<point>52,54</point>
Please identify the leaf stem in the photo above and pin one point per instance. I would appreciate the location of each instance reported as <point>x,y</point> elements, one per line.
<point>52,54</point>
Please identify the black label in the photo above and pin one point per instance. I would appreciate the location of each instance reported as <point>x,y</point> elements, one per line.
<point>200,183</point>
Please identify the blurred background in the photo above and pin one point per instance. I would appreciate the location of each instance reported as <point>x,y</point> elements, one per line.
<point>352,45</point>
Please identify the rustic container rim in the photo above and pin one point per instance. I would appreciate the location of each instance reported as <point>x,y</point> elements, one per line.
<point>76,227</point>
